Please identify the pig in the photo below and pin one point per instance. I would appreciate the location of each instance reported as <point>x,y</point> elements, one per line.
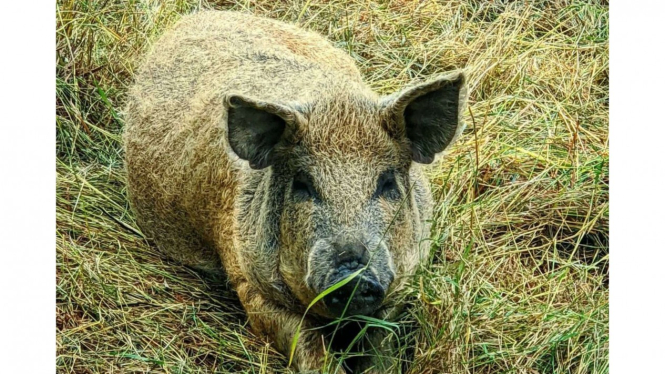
<point>254,146</point>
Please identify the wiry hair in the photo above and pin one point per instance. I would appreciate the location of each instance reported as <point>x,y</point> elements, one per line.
<point>226,109</point>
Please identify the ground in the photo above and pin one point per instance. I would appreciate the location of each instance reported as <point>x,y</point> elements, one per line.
<point>519,280</point>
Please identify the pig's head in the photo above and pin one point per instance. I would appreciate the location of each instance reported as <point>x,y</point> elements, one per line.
<point>340,188</point>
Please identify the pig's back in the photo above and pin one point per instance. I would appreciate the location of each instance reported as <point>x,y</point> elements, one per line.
<point>213,52</point>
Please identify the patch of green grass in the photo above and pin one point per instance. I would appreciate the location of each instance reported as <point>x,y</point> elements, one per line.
<point>518,282</point>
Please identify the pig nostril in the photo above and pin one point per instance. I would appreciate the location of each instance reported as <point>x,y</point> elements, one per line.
<point>350,265</point>
<point>350,255</point>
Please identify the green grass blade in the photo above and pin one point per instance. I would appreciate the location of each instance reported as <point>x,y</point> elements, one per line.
<point>323,294</point>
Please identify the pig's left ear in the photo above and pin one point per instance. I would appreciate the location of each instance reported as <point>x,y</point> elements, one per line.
<point>428,114</point>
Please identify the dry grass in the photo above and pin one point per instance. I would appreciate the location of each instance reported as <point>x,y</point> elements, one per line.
<point>519,282</point>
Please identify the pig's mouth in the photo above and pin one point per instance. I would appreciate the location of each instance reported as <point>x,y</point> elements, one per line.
<point>361,295</point>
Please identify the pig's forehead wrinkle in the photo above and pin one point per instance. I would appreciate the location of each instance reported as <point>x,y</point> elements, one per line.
<point>348,143</point>
<point>348,124</point>
<point>343,142</point>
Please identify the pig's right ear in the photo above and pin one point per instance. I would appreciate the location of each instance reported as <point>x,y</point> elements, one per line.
<point>255,128</point>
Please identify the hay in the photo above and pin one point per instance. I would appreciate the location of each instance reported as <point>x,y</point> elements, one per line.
<point>519,282</point>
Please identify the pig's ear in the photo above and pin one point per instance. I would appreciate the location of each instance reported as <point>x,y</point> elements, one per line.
<point>429,114</point>
<point>256,127</point>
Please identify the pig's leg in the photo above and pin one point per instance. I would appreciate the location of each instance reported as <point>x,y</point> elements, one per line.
<point>279,325</point>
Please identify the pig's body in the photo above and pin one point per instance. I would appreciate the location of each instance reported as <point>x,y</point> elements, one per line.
<point>300,104</point>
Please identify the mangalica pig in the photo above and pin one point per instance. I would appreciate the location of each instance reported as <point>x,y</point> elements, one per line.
<point>255,147</point>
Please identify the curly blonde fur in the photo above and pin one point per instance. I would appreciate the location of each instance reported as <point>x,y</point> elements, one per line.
<point>201,202</point>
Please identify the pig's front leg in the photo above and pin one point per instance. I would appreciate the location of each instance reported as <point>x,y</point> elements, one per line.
<point>280,325</point>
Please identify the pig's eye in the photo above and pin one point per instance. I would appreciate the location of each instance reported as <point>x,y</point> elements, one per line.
<point>387,186</point>
<point>302,188</point>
